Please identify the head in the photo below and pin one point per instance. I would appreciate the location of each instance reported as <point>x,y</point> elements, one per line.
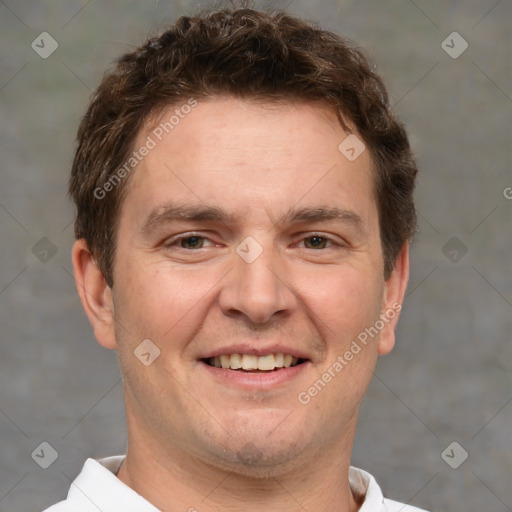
<point>229,128</point>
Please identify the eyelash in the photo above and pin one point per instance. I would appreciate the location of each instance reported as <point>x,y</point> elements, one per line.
<point>173,241</point>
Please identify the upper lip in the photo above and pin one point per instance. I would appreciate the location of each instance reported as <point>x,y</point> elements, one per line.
<point>257,350</point>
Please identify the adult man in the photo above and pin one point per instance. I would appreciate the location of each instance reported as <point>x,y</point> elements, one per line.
<point>244,207</point>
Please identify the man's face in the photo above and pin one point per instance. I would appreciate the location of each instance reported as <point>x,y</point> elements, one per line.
<point>282,256</point>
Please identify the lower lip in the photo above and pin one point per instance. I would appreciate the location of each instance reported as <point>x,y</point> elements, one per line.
<point>257,380</point>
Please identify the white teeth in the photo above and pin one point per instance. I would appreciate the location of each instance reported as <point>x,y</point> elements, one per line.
<point>236,361</point>
<point>249,362</point>
<point>252,362</point>
<point>266,362</point>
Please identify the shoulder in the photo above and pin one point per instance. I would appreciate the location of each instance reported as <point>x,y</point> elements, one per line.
<point>95,481</point>
<point>62,506</point>
<point>365,486</point>
<point>395,506</point>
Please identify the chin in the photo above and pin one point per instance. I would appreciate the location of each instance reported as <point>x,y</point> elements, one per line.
<point>258,458</point>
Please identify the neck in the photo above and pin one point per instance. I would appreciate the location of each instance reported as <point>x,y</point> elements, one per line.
<point>180,481</point>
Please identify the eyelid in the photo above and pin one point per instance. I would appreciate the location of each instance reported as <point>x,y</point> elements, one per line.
<point>177,238</point>
<point>335,241</point>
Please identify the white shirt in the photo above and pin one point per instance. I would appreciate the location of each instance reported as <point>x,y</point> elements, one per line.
<point>97,488</point>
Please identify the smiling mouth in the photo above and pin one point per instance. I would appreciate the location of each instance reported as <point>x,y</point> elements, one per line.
<point>253,363</point>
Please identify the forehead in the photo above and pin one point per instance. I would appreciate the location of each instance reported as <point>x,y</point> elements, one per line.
<point>249,128</point>
<point>245,154</point>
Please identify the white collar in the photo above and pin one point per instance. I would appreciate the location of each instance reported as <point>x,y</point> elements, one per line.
<point>98,488</point>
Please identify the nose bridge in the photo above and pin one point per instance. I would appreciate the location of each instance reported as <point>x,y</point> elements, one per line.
<point>257,288</point>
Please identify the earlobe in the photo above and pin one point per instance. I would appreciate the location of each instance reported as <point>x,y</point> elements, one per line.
<point>95,294</point>
<point>394,293</point>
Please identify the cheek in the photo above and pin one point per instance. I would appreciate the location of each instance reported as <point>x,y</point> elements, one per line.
<point>157,302</point>
<point>343,302</point>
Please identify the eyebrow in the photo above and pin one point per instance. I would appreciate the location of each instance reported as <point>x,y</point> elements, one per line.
<point>185,212</point>
<point>199,213</point>
<point>321,213</point>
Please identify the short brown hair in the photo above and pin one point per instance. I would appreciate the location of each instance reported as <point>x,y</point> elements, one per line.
<point>249,54</point>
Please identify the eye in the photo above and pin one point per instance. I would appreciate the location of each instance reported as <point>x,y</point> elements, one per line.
<point>317,242</point>
<point>189,242</point>
<point>192,242</point>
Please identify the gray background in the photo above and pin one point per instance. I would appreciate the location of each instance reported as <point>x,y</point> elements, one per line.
<point>449,377</point>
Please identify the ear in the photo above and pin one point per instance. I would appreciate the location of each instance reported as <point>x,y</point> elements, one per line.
<point>394,292</point>
<point>95,294</point>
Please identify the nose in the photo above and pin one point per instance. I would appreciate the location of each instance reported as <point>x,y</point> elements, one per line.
<point>258,289</point>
